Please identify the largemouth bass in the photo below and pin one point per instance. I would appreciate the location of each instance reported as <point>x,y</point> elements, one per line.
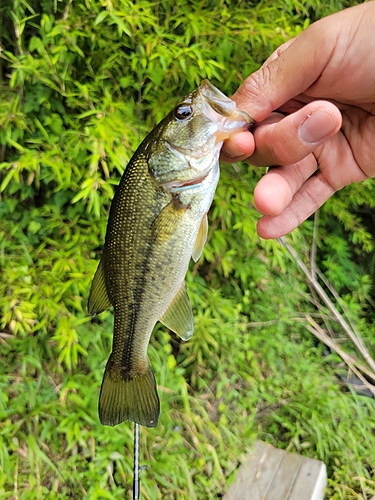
<point>157,222</point>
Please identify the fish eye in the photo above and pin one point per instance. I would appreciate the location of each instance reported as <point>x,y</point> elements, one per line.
<point>183,112</point>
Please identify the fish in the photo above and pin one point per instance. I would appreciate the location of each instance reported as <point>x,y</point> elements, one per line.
<point>157,222</point>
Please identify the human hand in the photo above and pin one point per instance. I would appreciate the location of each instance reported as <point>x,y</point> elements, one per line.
<point>319,146</point>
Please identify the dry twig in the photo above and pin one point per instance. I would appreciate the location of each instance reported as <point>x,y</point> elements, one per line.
<point>350,331</point>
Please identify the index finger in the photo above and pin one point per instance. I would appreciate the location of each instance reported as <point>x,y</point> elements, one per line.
<point>288,72</point>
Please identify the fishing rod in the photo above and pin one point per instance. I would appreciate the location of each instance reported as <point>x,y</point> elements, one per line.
<point>136,468</point>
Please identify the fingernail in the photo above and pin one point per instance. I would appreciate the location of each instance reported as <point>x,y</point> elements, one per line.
<point>230,150</point>
<point>317,126</point>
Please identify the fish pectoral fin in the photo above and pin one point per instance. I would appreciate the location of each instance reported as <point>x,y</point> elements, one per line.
<point>168,220</point>
<point>201,239</point>
<point>98,298</point>
<point>128,397</point>
<point>179,316</point>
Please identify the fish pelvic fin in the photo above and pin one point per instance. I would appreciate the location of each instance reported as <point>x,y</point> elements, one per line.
<point>128,397</point>
<point>179,316</point>
<point>201,239</point>
<point>98,298</point>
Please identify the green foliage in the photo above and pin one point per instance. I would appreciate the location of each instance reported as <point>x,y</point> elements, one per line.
<point>81,82</point>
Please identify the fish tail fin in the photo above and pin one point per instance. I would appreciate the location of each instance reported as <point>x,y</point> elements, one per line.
<point>128,397</point>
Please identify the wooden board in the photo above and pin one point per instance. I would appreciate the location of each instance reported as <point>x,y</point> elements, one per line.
<point>272,474</point>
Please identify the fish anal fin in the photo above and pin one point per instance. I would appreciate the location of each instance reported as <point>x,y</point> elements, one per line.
<point>201,239</point>
<point>98,298</point>
<point>179,316</point>
<point>128,397</point>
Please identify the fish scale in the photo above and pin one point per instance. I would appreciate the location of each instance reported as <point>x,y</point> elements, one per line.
<point>157,222</point>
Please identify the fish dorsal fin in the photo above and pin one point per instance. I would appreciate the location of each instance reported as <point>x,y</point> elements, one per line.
<point>201,239</point>
<point>98,298</point>
<point>179,316</point>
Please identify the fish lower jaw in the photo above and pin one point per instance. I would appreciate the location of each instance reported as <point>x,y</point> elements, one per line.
<point>175,186</point>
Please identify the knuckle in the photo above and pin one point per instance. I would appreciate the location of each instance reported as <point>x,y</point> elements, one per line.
<point>251,94</point>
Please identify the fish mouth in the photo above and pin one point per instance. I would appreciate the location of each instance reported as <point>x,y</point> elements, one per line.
<point>178,185</point>
<point>223,105</point>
